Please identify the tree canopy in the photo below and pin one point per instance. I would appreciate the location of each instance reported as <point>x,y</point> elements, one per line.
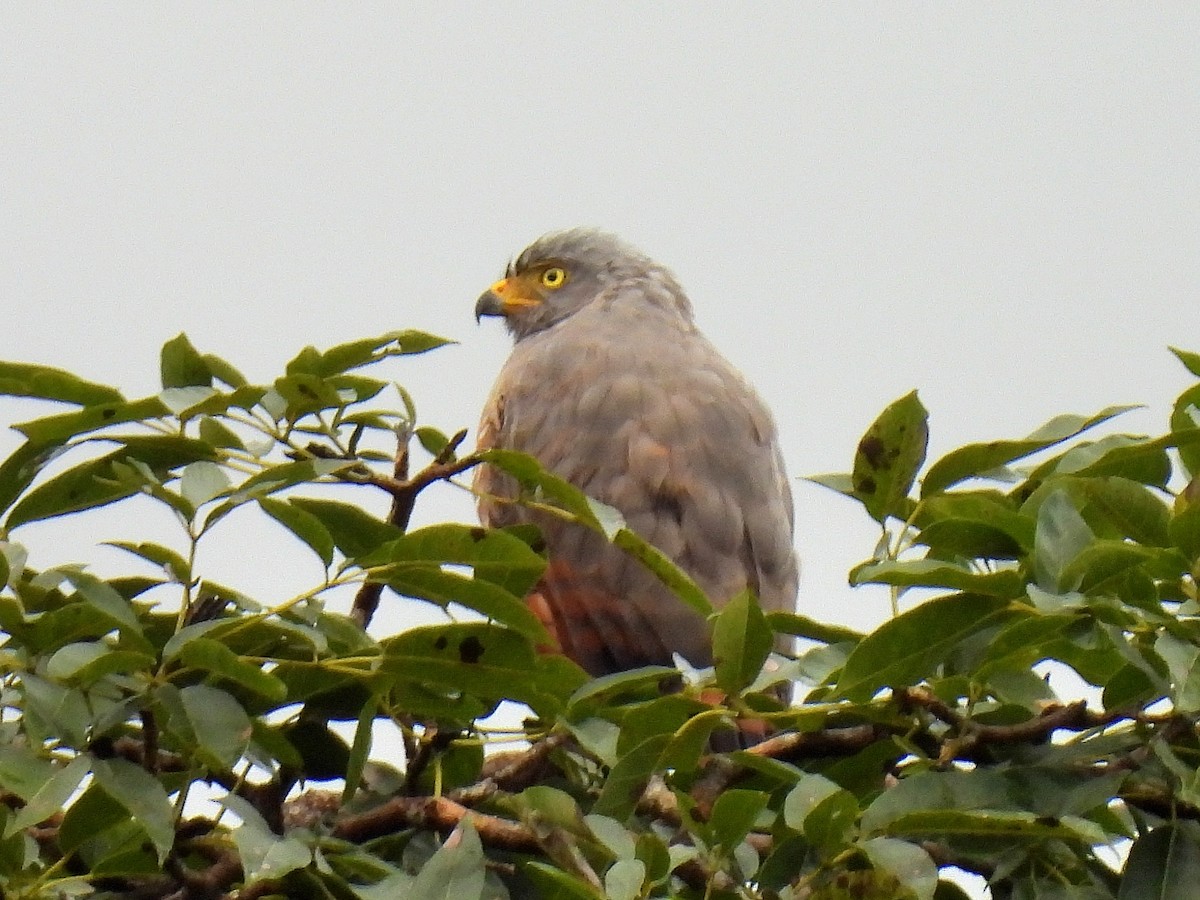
<point>934,743</point>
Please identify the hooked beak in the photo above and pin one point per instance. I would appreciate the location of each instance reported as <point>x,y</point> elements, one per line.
<point>503,299</point>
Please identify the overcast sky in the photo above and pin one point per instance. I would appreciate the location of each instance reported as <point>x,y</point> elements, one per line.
<point>996,204</point>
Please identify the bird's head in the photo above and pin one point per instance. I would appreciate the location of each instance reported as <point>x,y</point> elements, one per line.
<point>561,273</point>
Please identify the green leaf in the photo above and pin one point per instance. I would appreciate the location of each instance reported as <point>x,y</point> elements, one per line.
<point>624,878</point>
<point>979,459</point>
<point>85,662</point>
<point>28,380</point>
<point>1102,564</point>
<point>485,661</point>
<point>50,796</point>
<point>541,486</point>
<point>1181,658</point>
<point>213,656</point>
<point>1061,535</point>
<point>688,721</point>
<point>88,817</point>
<point>55,429</point>
<point>741,643</point>
<point>495,556</point>
<point>360,750</point>
<point>829,825</point>
<point>628,778</point>
<point>1133,511</point>
<point>1023,802</point>
<point>218,434</point>
<point>440,586</point>
<point>973,524</point>
<point>1191,361</point>
<point>889,456</point>
<point>412,341</point>
<point>935,573</point>
<point>224,371</point>
<point>264,854</point>
<point>841,482</point>
<point>990,825</point>
<point>907,863</point>
<point>202,481</point>
<point>168,560</point>
<point>104,599</point>
<point>542,805</point>
<point>22,467</point>
<point>354,531</point>
<point>456,871</point>
<point>274,478</point>
<point>1163,864</point>
<point>51,709</point>
<point>1184,530</point>
<point>252,636</point>
<point>432,440</point>
<point>143,798</point>
<point>221,725</point>
<point>93,483</point>
<point>303,524</point>
<point>352,355</point>
<point>680,583</point>
<point>1019,644</point>
<point>806,627</point>
<point>552,883</point>
<point>182,366</point>
<point>1133,457</point>
<point>186,402</point>
<point>304,394</point>
<point>23,772</point>
<point>810,790</point>
<point>1185,421</point>
<point>608,690</point>
<point>459,764</point>
<point>617,839</point>
<point>360,388</point>
<point>734,814</point>
<point>910,646</point>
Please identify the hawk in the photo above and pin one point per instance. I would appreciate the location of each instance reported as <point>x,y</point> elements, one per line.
<point>611,386</point>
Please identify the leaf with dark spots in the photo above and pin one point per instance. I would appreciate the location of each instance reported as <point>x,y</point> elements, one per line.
<point>888,458</point>
<point>481,660</point>
<point>872,450</point>
<point>470,650</point>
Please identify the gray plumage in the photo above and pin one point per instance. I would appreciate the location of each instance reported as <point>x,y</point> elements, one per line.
<point>612,387</point>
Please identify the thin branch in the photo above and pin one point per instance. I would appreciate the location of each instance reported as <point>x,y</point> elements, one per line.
<point>439,814</point>
<point>404,491</point>
<point>517,771</point>
<point>149,741</point>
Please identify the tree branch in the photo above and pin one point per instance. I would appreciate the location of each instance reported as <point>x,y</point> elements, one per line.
<point>404,491</point>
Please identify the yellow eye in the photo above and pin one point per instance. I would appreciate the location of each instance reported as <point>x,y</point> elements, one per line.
<point>554,277</point>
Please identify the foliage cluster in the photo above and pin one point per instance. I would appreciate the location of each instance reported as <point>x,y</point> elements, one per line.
<point>934,742</point>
